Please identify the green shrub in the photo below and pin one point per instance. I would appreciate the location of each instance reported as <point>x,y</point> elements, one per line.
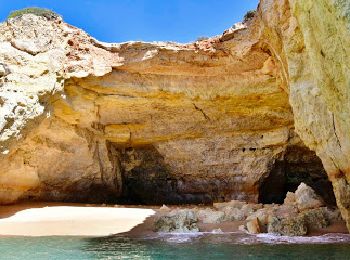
<point>202,38</point>
<point>249,15</point>
<point>50,15</point>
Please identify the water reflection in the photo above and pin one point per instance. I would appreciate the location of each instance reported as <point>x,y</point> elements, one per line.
<point>167,247</point>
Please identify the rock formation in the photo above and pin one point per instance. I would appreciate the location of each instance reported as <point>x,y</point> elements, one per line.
<point>161,122</point>
<point>304,215</point>
<point>312,47</point>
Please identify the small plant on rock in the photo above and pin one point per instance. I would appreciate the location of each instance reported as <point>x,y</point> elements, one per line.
<point>249,15</point>
<point>50,15</point>
<point>202,38</point>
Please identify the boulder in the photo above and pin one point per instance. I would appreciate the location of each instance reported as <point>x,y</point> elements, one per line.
<point>306,198</point>
<point>233,203</point>
<point>177,221</point>
<point>250,208</point>
<point>253,226</point>
<point>262,215</point>
<point>233,214</point>
<point>332,214</point>
<point>242,228</point>
<point>164,208</point>
<point>295,226</point>
<point>290,199</point>
<point>315,218</point>
<point>285,211</point>
<point>209,216</point>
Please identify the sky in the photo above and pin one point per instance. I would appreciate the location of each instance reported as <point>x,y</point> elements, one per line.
<point>146,20</point>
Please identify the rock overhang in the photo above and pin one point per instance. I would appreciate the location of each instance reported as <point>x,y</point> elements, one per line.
<point>226,103</point>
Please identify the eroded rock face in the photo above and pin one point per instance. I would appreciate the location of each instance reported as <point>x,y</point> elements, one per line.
<point>306,198</point>
<point>83,120</point>
<point>301,216</point>
<point>140,122</point>
<point>312,46</point>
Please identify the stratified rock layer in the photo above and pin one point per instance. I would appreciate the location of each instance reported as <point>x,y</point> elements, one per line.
<point>311,43</point>
<point>141,122</point>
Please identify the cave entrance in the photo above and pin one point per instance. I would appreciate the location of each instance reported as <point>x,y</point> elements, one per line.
<point>145,176</point>
<point>299,164</point>
<point>148,180</point>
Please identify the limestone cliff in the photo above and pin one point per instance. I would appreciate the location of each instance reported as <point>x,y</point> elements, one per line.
<point>161,122</point>
<point>312,46</point>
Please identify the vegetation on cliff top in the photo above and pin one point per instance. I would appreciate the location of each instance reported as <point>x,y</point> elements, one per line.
<point>202,38</point>
<point>249,15</point>
<point>51,15</point>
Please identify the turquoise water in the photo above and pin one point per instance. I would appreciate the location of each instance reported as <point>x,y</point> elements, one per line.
<point>173,247</point>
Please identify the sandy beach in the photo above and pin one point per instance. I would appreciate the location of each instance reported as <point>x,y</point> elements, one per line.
<point>49,219</point>
<point>66,219</point>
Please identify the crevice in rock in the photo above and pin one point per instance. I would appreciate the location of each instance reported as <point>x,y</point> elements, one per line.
<point>335,131</point>
<point>114,158</point>
<point>201,110</point>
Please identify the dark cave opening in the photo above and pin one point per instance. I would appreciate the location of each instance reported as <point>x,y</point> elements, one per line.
<point>298,165</point>
<point>145,176</point>
<point>147,179</point>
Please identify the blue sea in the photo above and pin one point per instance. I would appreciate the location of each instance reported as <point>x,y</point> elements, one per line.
<point>182,246</point>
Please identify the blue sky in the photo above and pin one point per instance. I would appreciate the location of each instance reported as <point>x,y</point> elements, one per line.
<point>147,20</point>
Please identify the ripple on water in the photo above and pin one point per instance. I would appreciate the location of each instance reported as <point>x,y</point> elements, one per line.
<point>247,239</point>
<point>178,246</point>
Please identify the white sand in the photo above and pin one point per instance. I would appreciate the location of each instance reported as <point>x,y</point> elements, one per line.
<point>73,221</point>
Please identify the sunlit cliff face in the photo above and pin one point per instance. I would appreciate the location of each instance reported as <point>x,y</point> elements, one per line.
<point>171,123</point>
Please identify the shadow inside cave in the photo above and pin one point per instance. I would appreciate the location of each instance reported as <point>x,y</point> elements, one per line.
<point>299,164</point>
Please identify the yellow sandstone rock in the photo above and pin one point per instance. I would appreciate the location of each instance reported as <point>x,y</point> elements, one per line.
<point>82,120</point>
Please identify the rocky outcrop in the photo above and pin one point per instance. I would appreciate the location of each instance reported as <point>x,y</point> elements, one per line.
<point>294,218</point>
<point>202,122</point>
<point>305,198</point>
<point>312,46</point>
<point>177,221</point>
